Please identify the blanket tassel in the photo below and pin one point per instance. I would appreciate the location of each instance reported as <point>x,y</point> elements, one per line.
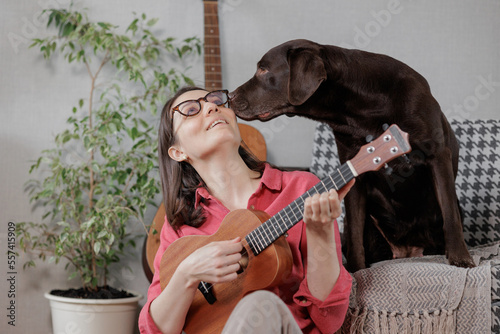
<point>363,320</point>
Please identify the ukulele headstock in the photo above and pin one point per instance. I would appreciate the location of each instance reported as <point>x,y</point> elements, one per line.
<point>391,144</point>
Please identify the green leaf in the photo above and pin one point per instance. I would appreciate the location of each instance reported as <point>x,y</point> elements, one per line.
<point>80,55</point>
<point>97,247</point>
<point>188,80</point>
<point>152,22</point>
<point>67,29</point>
<point>133,25</point>
<point>134,133</point>
<point>96,167</point>
<point>140,143</point>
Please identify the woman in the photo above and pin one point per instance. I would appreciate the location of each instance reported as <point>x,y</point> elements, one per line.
<point>205,174</point>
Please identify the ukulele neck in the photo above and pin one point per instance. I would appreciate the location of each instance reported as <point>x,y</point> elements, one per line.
<point>373,156</point>
<point>263,236</point>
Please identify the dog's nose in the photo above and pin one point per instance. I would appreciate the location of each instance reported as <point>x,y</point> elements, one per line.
<point>236,103</point>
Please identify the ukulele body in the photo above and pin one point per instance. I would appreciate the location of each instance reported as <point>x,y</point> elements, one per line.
<point>267,269</point>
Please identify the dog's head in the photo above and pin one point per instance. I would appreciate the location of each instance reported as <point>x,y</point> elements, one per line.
<point>287,76</point>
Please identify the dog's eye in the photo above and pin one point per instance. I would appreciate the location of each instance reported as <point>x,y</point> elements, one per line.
<point>261,71</point>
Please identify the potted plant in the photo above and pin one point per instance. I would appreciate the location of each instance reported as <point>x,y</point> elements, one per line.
<point>100,176</point>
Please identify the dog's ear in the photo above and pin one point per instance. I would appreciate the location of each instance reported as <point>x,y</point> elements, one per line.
<point>307,72</point>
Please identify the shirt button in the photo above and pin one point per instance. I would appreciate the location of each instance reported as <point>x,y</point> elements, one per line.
<point>303,301</point>
<point>252,207</point>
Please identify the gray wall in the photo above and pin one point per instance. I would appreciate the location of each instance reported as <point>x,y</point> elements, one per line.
<point>453,43</point>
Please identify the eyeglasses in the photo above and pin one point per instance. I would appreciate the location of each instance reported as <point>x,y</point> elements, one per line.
<point>193,107</point>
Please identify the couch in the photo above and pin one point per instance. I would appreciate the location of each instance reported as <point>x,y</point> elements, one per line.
<point>427,295</point>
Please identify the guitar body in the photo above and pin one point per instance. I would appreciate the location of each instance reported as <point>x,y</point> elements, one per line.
<point>252,139</point>
<point>269,268</point>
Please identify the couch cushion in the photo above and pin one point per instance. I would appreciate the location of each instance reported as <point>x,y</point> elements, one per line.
<point>478,179</point>
<point>325,158</point>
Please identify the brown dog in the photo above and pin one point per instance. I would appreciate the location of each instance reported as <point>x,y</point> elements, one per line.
<point>414,210</point>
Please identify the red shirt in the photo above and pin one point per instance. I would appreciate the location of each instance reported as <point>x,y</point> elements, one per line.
<point>276,190</point>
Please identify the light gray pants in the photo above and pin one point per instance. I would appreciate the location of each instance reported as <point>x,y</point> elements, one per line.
<point>261,312</point>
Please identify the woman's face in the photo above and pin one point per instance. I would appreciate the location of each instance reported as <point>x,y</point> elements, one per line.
<point>198,136</point>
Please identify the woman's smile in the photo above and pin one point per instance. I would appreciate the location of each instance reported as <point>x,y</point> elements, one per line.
<point>217,122</point>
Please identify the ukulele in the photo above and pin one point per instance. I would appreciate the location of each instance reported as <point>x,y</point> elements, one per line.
<point>267,259</point>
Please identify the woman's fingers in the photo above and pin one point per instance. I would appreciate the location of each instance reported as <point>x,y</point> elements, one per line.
<point>225,274</point>
<point>216,262</point>
<point>227,246</point>
<point>224,266</point>
<point>325,207</point>
<point>335,208</point>
<point>317,208</point>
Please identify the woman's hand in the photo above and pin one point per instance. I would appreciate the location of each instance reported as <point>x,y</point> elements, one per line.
<point>323,266</point>
<point>213,263</point>
<point>320,210</point>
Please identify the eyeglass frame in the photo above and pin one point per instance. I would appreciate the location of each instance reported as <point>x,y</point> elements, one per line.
<point>176,108</point>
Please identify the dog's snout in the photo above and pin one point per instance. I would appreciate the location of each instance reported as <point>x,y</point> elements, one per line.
<point>236,102</point>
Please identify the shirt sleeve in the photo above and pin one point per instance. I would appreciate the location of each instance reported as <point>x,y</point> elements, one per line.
<point>146,322</point>
<point>327,315</point>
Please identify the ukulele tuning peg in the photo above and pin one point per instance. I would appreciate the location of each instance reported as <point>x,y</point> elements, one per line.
<point>369,138</point>
<point>388,170</point>
<point>385,126</point>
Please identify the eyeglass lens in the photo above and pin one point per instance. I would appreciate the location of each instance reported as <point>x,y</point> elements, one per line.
<point>193,107</point>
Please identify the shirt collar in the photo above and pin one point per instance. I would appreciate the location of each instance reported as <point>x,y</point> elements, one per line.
<point>272,178</point>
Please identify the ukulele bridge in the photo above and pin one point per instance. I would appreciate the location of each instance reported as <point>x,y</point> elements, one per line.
<point>206,289</point>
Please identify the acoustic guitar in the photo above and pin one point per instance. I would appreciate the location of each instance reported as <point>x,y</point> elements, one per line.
<point>253,140</point>
<point>267,258</point>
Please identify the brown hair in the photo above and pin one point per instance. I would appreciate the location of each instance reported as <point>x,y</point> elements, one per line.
<point>179,180</point>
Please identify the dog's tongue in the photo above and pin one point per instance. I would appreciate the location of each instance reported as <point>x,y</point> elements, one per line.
<point>265,115</point>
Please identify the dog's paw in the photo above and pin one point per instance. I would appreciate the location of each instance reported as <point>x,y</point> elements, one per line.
<point>462,262</point>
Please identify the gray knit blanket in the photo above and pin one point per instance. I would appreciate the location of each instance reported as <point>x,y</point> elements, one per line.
<point>424,295</point>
